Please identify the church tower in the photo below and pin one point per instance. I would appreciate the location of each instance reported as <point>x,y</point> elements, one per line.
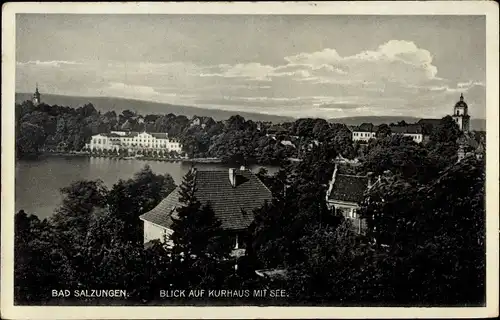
<point>461,115</point>
<point>36,96</point>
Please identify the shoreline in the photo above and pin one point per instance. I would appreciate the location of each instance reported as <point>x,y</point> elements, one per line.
<point>87,154</point>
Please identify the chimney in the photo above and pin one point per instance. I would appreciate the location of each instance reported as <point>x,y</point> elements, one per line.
<point>232,176</point>
<point>370,179</point>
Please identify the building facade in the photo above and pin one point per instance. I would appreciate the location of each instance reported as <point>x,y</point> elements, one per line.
<point>133,142</point>
<point>364,132</point>
<point>413,131</point>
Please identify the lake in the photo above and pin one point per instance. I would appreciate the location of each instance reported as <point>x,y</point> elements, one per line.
<point>38,181</point>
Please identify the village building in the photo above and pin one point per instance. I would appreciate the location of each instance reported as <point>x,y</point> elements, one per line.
<point>364,132</point>
<point>420,131</point>
<point>414,131</point>
<point>428,124</point>
<point>345,194</point>
<point>467,145</point>
<point>461,115</point>
<point>201,122</point>
<point>133,142</point>
<point>233,195</point>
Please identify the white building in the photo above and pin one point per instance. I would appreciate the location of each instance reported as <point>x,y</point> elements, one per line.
<point>413,131</point>
<point>134,141</point>
<point>362,135</point>
<point>364,132</point>
<point>368,131</point>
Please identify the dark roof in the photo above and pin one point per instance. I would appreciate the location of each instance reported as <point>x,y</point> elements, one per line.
<point>365,127</point>
<point>126,135</point>
<point>233,206</point>
<point>112,134</point>
<point>162,213</point>
<point>159,135</point>
<point>349,188</point>
<point>432,122</point>
<point>461,104</point>
<point>410,128</point>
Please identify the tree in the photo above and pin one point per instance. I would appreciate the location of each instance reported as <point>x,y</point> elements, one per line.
<point>39,262</point>
<point>443,145</point>
<point>446,131</point>
<point>200,250</point>
<point>402,156</point>
<point>383,131</point>
<point>72,218</point>
<point>128,199</point>
<point>297,208</point>
<point>333,258</point>
<point>29,139</point>
<point>235,123</point>
<point>434,236</point>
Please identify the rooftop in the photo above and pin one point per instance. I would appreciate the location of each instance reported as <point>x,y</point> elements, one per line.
<point>409,128</point>
<point>348,188</point>
<point>365,127</point>
<point>233,206</point>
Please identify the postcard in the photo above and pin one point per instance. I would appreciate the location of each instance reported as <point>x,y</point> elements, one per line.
<point>250,160</point>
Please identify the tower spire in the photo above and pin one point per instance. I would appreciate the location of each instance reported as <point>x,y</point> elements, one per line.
<point>461,97</point>
<point>36,95</point>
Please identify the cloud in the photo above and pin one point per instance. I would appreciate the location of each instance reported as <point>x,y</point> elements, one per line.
<point>397,77</point>
<point>131,89</point>
<point>394,61</point>
<point>55,63</point>
<point>251,71</point>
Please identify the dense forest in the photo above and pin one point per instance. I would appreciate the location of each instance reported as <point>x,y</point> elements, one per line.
<point>236,140</point>
<point>425,244</point>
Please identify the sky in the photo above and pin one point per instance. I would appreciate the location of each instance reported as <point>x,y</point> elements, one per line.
<point>292,65</point>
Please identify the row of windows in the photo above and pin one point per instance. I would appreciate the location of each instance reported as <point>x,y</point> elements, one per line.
<point>364,134</point>
<point>162,142</point>
<point>416,137</point>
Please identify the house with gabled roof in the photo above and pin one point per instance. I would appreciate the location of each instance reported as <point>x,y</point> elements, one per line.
<point>345,194</point>
<point>414,131</point>
<point>233,195</point>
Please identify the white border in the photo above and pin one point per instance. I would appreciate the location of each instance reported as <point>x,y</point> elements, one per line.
<point>488,8</point>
